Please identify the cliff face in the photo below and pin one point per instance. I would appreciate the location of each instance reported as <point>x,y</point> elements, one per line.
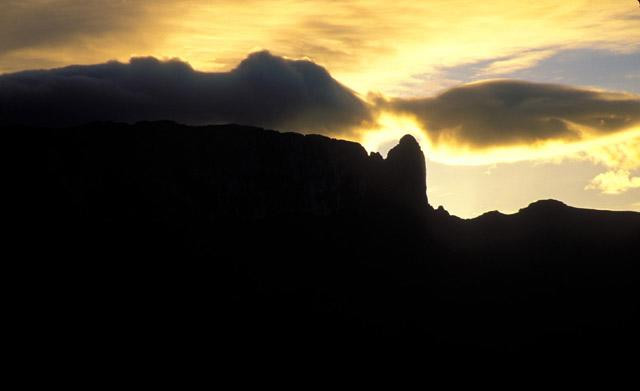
<point>407,172</point>
<point>233,172</point>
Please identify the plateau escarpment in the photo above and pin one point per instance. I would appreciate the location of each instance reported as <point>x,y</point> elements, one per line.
<point>231,171</point>
<point>309,237</point>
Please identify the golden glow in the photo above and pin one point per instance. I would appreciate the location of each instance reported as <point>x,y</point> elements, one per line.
<point>389,129</point>
<point>522,61</point>
<point>620,150</point>
<point>619,153</point>
<point>397,47</point>
<point>547,151</point>
<point>379,45</point>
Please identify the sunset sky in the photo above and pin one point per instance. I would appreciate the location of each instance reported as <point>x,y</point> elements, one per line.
<point>512,101</point>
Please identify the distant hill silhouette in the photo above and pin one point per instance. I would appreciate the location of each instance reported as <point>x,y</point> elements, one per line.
<point>279,239</point>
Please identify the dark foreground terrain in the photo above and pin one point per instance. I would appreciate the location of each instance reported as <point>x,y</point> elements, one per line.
<point>158,235</point>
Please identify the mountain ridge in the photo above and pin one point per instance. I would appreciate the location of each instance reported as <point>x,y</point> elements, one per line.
<point>307,238</point>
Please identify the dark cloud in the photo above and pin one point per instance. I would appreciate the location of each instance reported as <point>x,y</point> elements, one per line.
<point>506,112</point>
<point>270,91</point>
<point>37,23</point>
<point>264,90</point>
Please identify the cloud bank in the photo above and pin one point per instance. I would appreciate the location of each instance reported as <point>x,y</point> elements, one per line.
<point>274,92</point>
<point>509,112</point>
<point>263,90</point>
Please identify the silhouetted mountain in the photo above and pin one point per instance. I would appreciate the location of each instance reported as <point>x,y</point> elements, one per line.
<point>279,239</point>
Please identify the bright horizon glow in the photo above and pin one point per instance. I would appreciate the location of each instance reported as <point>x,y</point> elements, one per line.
<point>392,127</point>
<point>618,154</point>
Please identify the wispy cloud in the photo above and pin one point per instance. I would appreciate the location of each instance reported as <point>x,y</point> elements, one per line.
<point>368,45</point>
<point>517,62</point>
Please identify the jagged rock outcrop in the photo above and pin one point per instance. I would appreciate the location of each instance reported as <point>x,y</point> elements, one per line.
<point>406,172</point>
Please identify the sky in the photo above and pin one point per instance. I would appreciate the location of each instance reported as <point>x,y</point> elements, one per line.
<point>511,101</point>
